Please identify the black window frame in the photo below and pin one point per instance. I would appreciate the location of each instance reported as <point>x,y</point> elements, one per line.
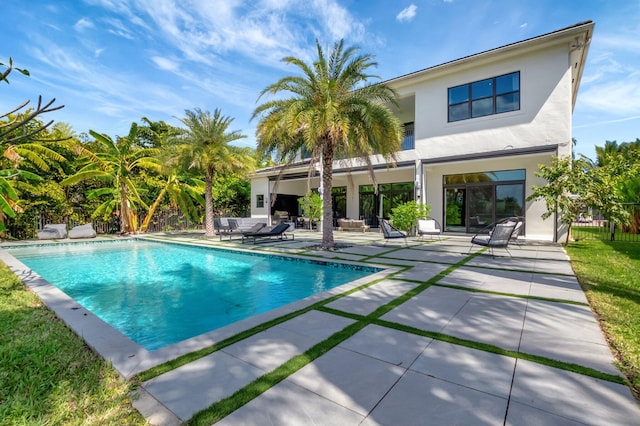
<point>259,201</point>
<point>469,101</point>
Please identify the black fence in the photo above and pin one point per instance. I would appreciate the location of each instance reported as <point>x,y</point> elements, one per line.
<point>592,225</point>
<point>163,221</point>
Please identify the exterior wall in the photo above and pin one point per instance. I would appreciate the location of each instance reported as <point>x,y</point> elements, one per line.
<point>536,228</point>
<point>260,185</point>
<point>544,117</point>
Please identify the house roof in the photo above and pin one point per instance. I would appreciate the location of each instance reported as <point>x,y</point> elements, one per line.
<point>577,36</point>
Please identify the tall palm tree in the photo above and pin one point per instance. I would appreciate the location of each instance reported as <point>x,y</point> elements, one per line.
<point>205,145</point>
<point>117,164</point>
<point>331,111</point>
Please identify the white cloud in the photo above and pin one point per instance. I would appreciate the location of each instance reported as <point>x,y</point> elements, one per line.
<point>619,96</point>
<point>82,25</point>
<point>524,25</point>
<point>407,14</point>
<point>165,64</point>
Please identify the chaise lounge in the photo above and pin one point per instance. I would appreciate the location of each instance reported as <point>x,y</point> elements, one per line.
<point>277,231</point>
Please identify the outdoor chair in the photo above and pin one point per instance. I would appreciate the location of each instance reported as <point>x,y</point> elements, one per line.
<point>496,235</point>
<point>82,231</point>
<point>517,232</point>
<point>219,227</point>
<point>276,231</point>
<point>53,231</point>
<point>429,226</point>
<point>390,232</point>
<point>236,231</point>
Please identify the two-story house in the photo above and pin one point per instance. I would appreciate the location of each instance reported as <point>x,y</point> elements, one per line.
<point>476,131</point>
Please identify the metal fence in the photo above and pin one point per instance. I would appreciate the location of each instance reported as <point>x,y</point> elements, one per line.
<point>168,220</point>
<point>592,225</point>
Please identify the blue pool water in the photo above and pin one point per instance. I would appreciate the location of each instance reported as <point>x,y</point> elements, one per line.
<point>158,294</point>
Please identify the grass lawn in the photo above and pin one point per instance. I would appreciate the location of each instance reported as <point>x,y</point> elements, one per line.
<point>608,273</point>
<point>47,374</point>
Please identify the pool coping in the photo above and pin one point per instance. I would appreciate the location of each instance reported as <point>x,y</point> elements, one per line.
<point>129,358</point>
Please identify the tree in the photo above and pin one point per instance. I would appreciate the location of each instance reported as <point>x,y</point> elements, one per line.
<point>183,190</point>
<point>331,112</point>
<point>405,215</point>
<point>574,186</point>
<point>19,132</point>
<point>116,163</point>
<point>205,145</point>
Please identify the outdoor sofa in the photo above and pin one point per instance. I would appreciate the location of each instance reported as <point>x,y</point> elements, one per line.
<point>82,231</point>
<point>352,225</point>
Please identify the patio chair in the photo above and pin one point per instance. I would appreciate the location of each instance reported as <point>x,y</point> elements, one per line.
<point>496,235</point>
<point>390,232</point>
<point>82,231</point>
<point>517,232</point>
<point>277,231</point>
<point>429,226</point>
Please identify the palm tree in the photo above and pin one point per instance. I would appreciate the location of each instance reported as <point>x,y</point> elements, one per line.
<point>331,112</point>
<point>117,163</point>
<point>205,146</point>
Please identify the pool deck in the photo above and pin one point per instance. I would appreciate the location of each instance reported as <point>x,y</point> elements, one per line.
<point>472,343</point>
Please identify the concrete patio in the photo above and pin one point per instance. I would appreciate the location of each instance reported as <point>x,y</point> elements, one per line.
<point>479,340</point>
<point>529,304</point>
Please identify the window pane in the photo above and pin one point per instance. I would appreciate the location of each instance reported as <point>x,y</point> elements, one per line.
<point>482,107</point>
<point>459,112</point>
<point>508,83</point>
<point>458,94</point>
<point>509,102</point>
<point>482,89</point>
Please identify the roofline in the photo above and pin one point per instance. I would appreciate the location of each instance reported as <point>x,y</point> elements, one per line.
<point>585,26</point>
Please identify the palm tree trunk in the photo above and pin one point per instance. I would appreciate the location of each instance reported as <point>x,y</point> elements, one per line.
<point>208,205</point>
<point>125,211</point>
<point>327,201</point>
<point>152,209</point>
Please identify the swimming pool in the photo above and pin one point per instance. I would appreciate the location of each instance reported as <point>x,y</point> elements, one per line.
<point>158,294</point>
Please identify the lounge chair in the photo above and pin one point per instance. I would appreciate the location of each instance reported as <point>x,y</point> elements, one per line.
<point>496,235</point>
<point>276,231</point>
<point>255,228</point>
<point>82,231</point>
<point>219,227</point>
<point>429,226</point>
<point>390,232</point>
<point>53,231</point>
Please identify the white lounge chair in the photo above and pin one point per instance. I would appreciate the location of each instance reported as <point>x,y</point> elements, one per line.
<point>82,231</point>
<point>53,231</point>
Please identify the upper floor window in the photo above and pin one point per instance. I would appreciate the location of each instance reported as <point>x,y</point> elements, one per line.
<point>485,97</point>
<point>408,140</point>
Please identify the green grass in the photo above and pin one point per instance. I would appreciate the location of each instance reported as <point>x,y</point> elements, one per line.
<point>609,274</point>
<point>47,374</point>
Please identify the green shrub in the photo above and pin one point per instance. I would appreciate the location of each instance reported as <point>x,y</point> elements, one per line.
<point>404,216</point>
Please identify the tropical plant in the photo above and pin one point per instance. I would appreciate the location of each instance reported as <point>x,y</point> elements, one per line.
<point>183,189</point>
<point>20,143</point>
<point>405,216</point>
<point>574,186</point>
<point>330,112</point>
<point>205,145</point>
<point>311,206</point>
<point>116,163</point>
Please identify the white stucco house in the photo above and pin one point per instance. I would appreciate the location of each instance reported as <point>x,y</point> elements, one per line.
<point>476,130</point>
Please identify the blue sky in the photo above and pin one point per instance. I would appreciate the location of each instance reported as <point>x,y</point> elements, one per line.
<point>112,62</point>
